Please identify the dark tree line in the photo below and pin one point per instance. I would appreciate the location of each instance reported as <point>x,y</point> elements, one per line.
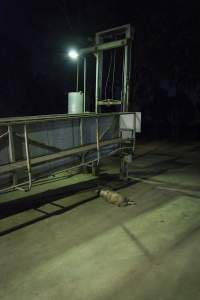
<point>35,74</point>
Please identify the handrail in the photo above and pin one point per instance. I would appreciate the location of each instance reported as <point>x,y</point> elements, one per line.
<point>44,118</point>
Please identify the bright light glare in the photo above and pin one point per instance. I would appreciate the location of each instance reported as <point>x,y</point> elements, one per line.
<point>73,54</point>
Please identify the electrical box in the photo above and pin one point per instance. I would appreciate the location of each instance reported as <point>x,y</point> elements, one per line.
<point>131,121</point>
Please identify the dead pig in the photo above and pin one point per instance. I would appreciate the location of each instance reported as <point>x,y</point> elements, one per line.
<point>115,198</point>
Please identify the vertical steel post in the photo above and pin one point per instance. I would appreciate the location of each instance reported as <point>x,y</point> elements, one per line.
<point>97,138</point>
<point>27,156</point>
<point>77,75</point>
<point>128,49</point>
<point>82,141</point>
<point>97,83</point>
<point>125,81</point>
<point>81,131</point>
<point>98,41</point>
<point>12,151</point>
<point>95,165</point>
<point>100,77</point>
<point>85,84</point>
<point>134,131</point>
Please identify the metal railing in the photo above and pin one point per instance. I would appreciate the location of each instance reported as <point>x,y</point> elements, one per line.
<point>28,161</point>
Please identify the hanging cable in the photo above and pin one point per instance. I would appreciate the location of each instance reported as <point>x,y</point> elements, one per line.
<point>113,75</point>
<point>108,76</point>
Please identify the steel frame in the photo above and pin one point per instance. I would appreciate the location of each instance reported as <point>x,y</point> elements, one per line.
<point>98,50</point>
<point>125,43</point>
<point>13,166</point>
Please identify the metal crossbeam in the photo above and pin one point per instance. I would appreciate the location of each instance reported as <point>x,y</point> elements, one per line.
<point>55,117</point>
<point>104,46</point>
<point>50,157</point>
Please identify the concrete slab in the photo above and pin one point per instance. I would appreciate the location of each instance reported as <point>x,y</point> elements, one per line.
<point>95,250</point>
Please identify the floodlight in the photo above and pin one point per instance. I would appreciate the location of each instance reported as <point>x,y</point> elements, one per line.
<point>73,54</point>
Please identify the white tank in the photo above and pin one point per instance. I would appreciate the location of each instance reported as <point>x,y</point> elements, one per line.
<point>75,102</point>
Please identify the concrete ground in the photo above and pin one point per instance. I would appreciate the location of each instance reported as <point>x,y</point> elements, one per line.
<point>61,242</point>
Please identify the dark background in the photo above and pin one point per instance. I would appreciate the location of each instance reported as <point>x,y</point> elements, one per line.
<point>36,74</point>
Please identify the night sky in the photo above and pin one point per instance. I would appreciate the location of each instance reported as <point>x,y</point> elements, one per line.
<point>35,36</point>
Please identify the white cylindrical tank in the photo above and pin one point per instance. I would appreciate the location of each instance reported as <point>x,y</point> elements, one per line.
<point>75,102</point>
